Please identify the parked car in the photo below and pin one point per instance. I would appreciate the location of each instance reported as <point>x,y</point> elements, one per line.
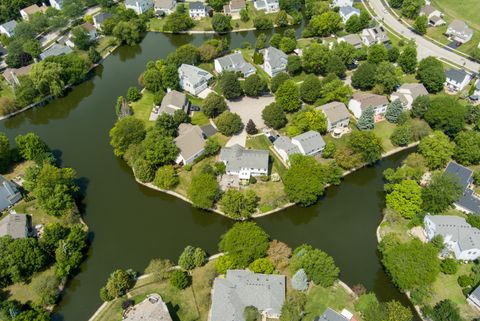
<point>195,108</point>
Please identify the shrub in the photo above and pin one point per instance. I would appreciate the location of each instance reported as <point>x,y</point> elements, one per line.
<point>133,94</point>
<point>179,279</point>
<point>449,266</point>
<point>262,265</point>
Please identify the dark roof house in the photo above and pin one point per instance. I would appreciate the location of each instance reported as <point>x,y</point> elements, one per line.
<point>9,194</point>
<point>468,202</point>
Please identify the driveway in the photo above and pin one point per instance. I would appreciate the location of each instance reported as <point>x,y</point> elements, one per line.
<point>425,47</point>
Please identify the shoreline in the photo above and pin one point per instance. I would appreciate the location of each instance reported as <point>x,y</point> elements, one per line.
<point>278,209</point>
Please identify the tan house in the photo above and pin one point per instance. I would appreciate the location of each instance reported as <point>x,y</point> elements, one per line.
<point>12,75</point>
<point>191,142</point>
<point>233,8</point>
<point>407,93</point>
<point>29,11</point>
<point>337,115</point>
<point>361,101</point>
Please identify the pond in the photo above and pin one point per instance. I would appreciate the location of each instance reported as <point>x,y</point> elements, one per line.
<point>131,224</point>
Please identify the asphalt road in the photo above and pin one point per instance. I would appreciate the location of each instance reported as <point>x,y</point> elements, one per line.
<point>425,47</point>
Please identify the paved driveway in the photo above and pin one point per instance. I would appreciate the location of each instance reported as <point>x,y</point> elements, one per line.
<point>425,47</point>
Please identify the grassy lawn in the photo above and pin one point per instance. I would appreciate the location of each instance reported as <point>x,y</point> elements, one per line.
<point>384,129</point>
<point>199,118</point>
<point>271,194</point>
<point>446,287</point>
<point>204,24</point>
<point>190,304</point>
<point>262,142</point>
<point>335,297</point>
<point>396,224</point>
<point>143,107</point>
<point>105,44</point>
<point>5,90</point>
<point>23,292</point>
<point>156,24</point>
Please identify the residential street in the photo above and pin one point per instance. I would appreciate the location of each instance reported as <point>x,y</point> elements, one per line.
<point>424,46</point>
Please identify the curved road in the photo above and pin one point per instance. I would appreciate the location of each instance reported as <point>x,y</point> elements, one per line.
<point>425,47</point>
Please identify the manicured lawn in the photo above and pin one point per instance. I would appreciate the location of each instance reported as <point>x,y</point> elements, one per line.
<point>396,224</point>
<point>408,78</point>
<point>199,118</point>
<point>23,292</point>
<point>204,24</point>
<point>384,130</point>
<point>446,287</point>
<point>105,44</point>
<point>5,90</point>
<point>156,24</point>
<point>143,107</point>
<point>271,194</point>
<point>189,304</point>
<point>335,297</point>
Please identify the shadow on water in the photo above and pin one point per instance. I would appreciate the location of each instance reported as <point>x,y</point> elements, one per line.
<point>131,224</point>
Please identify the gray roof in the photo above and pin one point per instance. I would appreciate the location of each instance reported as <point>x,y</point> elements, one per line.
<point>427,9</point>
<point>197,5</point>
<point>237,157</point>
<point>208,130</point>
<point>335,111</point>
<point>9,194</point>
<point>242,288</point>
<point>457,75</point>
<point>194,74</point>
<point>276,58</point>
<point>284,143</point>
<point>353,39</point>
<point>416,89</point>
<point>345,11</point>
<point>235,62</point>
<point>14,225</point>
<point>466,236</point>
<point>141,2</point>
<point>101,17</point>
<point>367,99</point>
<point>330,315</point>
<point>476,293</point>
<point>477,84</point>
<point>152,308</point>
<point>464,177</point>
<point>460,27</point>
<point>190,140</point>
<point>173,101</point>
<point>55,50</point>
<point>310,141</point>
<point>164,4</point>
<point>9,26</point>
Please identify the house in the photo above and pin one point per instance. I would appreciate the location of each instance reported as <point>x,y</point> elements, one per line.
<point>433,15</point>
<point>332,315</point>
<point>193,79</point>
<point>474,298</point>
<point>9,194</point>
<point>459,31</point>
<point>469,202</point>
<point>8,28</point>
<point>407,93</point>
<point>233,8</point>
<point>234,62</point>
<point>341,3</point>
<point>374,35</point>
<point>100,18</point>
<point>89,29</point>
<point>190,142</point>
<point>274,61</point>
<point>164,7</point>
<point>459,237</point>
<point>361,101</point>
<point>152,308</point>
<point>309,143</point>
<point>352,39</point>
<point>55,50</point>
<point>337,115</point>
<point>3,51</point>
<point>197,10</point>
<point>208,130</point>
<point>57,4</point>
<point>14,225</point>
<point>244,163</point>
<point>29,11</point>
<point>269,6</point>
<point>348,12</point>
<point>172,102</point>
<point>284,147</point>
<point>12,75</point>
<point>139,6</point>
<point>476,91</point>
<point>457,79</point>
<point>242,288</point>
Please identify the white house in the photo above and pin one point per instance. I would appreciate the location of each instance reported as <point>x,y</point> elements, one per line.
<point>164,7</point>
<point>190,142</point>
<point>476,92</point>
<point>152,308</point>
<point>407,93</point>
<point>234,62</point>
<point>457,79</point>
<point>244,163</point>
<point>14,225</point>
<point>459,31</point>
<point>434,16</point>
<point>29,11</point>
<point>309,143</point>
<point>89,29</point>
<point>139,6</point>
<point>197,10</point>
<point>8,28</point>
<point>361,101</point>
<point>274,61</point>
<point>342,3</point>
<point>100,18</point>
<point>284,147</point>
<point>269,6</point>
<point>57,4</point>
<point>348,12</point>
<point>374,35</point>
<point>337,115</point>
<point>459,237</point>
<point>193,79</point>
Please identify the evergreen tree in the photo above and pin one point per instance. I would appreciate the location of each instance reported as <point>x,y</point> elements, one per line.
<point>394,110</point>
<point>251,128</point>
<point>366,121</point>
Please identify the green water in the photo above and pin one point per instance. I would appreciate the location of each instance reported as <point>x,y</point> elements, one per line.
<point>131,224</point>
